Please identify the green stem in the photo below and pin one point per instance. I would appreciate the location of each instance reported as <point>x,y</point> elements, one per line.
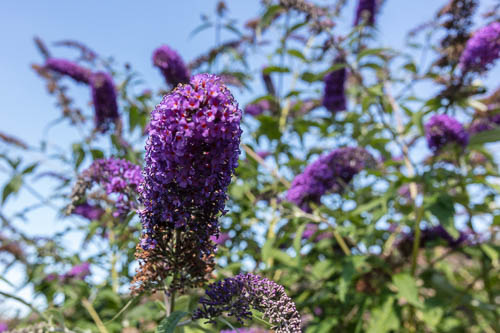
<point>416,241</point>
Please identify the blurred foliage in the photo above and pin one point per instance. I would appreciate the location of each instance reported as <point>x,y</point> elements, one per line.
<point>363,275</point>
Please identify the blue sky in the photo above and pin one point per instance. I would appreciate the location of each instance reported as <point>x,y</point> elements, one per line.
<point>129,31</point>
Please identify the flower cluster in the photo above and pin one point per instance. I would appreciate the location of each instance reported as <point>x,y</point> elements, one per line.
<point>171,65</point>
<point>258,108</point>
<point>88,211</point>
<point>481,125</point>
<point>313,230</point>
<point>3,327</point>
<point>365,12</point>
<point>191,154</point>
<point>334,95</point>
<point>237,296</point>
<point>104,99</point>
<point>434,234</point>
<point>331,172</point>
<point>118,177</point>
<point>78,272</point>
<point>482,49</point>
<point>441,130</point>
<point>68,68</point>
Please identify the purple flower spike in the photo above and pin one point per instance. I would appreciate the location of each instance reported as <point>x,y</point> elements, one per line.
<point>69,68</point>
<point>104,99</point>
<point>331,172</point>
<point>441,130</point>
<point>3,327</point>
<point>79,272</point>
<point>237,296</point>
<point>191,154</point>
<point>171,65</point>
<point>365,10</point>
<point>334,95</point>
<point>482,49</point>
<point>118,177</point>
<point>88,211</point>
<point>481,125</point>
<point>258,108</point>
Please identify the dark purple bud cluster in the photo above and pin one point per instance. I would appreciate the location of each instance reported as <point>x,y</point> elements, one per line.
<point>88,211</point>
<point>441,130</point>
<point>191,155</point>
<point>171,65</point>
<point>104,99</point>
<point>434,234</point>
<point>258,108</point>
<point>117,177</point>
<point>481,125</point>
<point>334,98</point>
<point>482,49</point>
<point>365,12</point>
<point>69,68</point>
<point>237,296</point>
<point>329,173</point>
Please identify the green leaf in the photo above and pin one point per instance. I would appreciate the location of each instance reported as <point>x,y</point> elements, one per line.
<point>368,52</point>
<point>491,253</point>
<point>30,168</point>
<point>169,324</point>
<point>269,15</point>
<point>200,28</point>
<point>276,69</point>
<point>12,187</point>
<point>444,210</point>
<point>79,154</point>
<point>298,238</point>
<point>407,288</point>
<point>297,54</point>
<point>383,318</point>
<point>348,273</point>
<point>485,137</point>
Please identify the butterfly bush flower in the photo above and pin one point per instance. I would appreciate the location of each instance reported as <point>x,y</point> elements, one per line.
<point>78,272</point>
<point>104,100</point>
<point>258,108</point>
<point>329,173</point>
<point>69,68</point>
<point>171,65</point>
<point>334,95</point>
<point>480,125</point>
<point>88,211</point>
<point>191,154</point>
<point>119,178</point>
<point>482,49</point>
<point>441,130</point>
<point>221,239</point>
<point>434,234</point>
<point>365,11</point>
<point>237,296</point>
<point>312,229</point>
<point>3,327</point>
